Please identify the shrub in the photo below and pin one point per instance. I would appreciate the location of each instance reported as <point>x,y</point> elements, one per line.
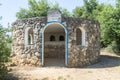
<point>4,52</point>
<point>114,47</point>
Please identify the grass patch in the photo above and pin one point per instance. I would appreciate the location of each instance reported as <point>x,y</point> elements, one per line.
<point>46,78</point>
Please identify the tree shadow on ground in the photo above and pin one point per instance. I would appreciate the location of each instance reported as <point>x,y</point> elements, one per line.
<point>11,77</point>
<point>106,61</point>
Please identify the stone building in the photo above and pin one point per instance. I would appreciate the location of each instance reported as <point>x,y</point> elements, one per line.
<point>72,42</point>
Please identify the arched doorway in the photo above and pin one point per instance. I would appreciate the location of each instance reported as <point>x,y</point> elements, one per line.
<point>54,50</point>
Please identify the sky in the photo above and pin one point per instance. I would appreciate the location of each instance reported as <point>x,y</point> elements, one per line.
<point>9,8</point>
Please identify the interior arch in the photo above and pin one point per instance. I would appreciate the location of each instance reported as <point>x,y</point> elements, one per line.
<point>54,51</point>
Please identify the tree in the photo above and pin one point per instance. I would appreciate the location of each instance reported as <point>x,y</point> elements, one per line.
<point>39,8</point>
<point>4,52</point>
<point>104,18</point>
<point>115,28</point>
<point>86,11</point>
<point>35,9</point>
<point>110,27</point>
<point>78,11</point>
<point>64,11</point>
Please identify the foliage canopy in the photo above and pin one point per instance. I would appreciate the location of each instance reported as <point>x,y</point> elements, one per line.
<point>39,8</point>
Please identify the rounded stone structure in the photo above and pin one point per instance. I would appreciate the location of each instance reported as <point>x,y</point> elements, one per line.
<point>40,41</point>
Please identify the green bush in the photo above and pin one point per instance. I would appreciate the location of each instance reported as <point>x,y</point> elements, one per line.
<point>3,71</point>
<point>4,52</point>
<point>114,47</point>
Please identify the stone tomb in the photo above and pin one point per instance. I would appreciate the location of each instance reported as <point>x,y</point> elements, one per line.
<point>55,40</point>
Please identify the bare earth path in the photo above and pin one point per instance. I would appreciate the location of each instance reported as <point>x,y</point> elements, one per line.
<point>107,69</point>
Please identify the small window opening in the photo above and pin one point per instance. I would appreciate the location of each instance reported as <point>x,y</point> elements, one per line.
<point>52,38</point>
<point>78,37</point>
<point>29,39</point>
<point>61,38</point>
<point>30,36</point>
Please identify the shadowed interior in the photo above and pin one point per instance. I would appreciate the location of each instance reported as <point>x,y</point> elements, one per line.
<point>54,45</point>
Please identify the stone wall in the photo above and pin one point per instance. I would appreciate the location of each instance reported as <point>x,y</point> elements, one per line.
<point>26,54</point>
<point>78,55</point>
<point>81,55</point>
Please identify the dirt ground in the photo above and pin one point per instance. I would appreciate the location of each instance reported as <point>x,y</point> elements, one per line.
<point>107,69</point>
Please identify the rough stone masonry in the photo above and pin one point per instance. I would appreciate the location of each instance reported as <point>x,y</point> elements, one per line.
<point>76,40</point>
